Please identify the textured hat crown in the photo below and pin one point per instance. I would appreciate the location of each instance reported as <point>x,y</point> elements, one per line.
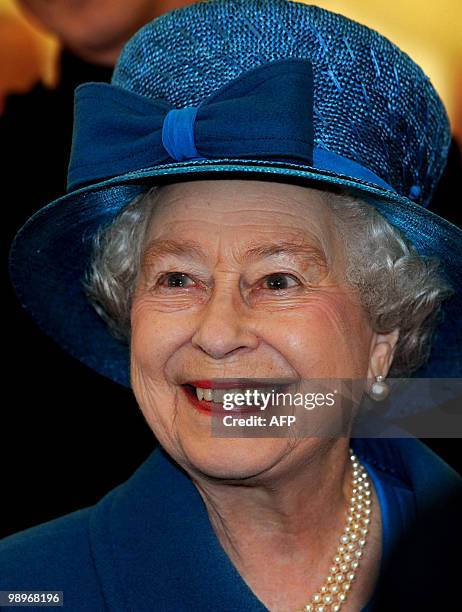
<point>372,103</point>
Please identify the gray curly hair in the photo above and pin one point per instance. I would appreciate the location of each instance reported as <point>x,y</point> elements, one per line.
<point>398,288</point>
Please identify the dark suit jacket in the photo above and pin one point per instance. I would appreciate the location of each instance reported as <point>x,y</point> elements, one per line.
<point>149,545</point>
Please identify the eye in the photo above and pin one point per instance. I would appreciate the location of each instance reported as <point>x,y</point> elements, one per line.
<point>175,280</point>
<point>280,281</point>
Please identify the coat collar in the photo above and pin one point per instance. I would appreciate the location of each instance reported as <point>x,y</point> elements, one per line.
<point>154,546</point>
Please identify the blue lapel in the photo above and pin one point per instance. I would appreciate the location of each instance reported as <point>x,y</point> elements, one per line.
<point>157,550</point>
<point>154,547</point>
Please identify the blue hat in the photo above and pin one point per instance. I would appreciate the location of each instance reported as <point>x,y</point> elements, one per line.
<point>273,90</point>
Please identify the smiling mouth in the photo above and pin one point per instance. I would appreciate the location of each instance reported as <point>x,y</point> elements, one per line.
<point>208,396</point>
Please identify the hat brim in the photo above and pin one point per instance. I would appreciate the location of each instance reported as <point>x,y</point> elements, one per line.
<point>51,252</point>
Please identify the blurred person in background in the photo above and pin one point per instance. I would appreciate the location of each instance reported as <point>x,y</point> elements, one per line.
<point>36,132</point>
<point>38,124</point>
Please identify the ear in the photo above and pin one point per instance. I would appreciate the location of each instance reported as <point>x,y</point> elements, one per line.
<point>381,353</point>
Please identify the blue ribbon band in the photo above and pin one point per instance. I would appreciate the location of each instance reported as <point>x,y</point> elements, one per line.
<point>265,114</point>
<point>178,133</point>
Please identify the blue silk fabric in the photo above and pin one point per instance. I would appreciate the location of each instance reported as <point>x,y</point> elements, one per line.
<point>149,545</point>
<point>118,131</point>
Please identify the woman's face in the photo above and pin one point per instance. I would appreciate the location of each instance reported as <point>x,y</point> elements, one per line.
<point>97,29</point>
<point>240,279</point>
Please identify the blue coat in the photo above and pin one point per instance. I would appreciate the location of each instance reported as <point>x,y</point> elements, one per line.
<point>148,544</point>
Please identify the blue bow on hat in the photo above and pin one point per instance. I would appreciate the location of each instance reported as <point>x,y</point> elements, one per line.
<point>267,113</point>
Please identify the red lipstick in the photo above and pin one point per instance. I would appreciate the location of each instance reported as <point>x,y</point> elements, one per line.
<point>208,408</point>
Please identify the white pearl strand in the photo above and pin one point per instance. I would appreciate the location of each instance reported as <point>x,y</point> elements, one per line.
<point>333,593</point>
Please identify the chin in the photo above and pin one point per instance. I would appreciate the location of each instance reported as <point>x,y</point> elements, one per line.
<point>233,458</point>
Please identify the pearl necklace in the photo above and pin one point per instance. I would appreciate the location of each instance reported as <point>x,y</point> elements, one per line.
<point>333,593</point>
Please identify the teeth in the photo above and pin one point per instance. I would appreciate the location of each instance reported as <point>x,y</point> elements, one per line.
<point>205,394</point>
<point>216,395</point>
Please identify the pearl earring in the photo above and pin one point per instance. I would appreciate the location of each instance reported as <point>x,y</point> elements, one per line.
<point>379,390</point>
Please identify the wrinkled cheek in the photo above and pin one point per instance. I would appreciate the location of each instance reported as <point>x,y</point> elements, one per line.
<point>331,339</point>
<point>152,340</point>
<point>149,350</point>
<point>149,385</point>
<point>146,347</point>
<point>155,343</point>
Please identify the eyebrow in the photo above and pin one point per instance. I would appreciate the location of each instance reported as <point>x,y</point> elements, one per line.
<point>192,249</point>
<point>160,248</point>
<point>284,248</point>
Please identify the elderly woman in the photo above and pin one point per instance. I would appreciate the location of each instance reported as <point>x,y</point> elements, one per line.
<point>247,208</point>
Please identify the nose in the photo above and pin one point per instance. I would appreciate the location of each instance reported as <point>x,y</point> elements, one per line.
<point>224,327</point>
